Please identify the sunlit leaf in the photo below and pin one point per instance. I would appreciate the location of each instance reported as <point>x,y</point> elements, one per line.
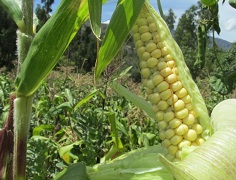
<point>95,13</point>
<point>118,29</point>
<point>12,7</point>
<point>49,44</point>
<point>37,130</point>
<point>138,101</point>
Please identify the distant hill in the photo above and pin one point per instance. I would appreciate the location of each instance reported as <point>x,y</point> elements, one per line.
<point>221,43</point>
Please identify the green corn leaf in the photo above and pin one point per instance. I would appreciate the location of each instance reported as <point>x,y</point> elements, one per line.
<point>38,129</point>
<point>232,3</point>
<point>86,98</point>
<point>141,164</point>
<point>95,14</point>
<point>209,2</point>
<point>12,7</point>
<point>49,44</point>
<point>76,171</point>
<point>138,101</point>
<point>118,29</point>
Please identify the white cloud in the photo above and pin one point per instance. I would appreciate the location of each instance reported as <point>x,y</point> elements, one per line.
<point>230,24</point>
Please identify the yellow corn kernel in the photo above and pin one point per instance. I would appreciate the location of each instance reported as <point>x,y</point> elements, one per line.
<point>155,109</point>
<point>141,21</point>
<point>143,64</point>
<point>181,113</point>
<point>178,105</point>
<point>176,86</point>
<point>149,91</point>
<point>162,125</point>
<point>172,149</point>
<point>190,135</point>
<point>172,99</point>
<point>178,154</point>
<point>189,106</point>
<point>152,62</point>
<point>181,93</point>
<point>136,37</point>
<point>150,19</point>
<point>140,51</point>
<point>174,123</point>
<point>146,36</point>
<point>199,141</point>
<point>162,105</point>
<point>145,72</point>
<point>184,143</point>
<point>160,45</point>
<point>164,51</point>
<point>186,99</point>
<point>176,139</point>
<point>166,71</point>
<point>169,116</point>
<point>197,128</point>
<point>143,29</point>
<point>189,120</point>
<point>162,86</point>
<point>171,63</point>
<point>162,135</point>
<point>171,78</point>
<point>166,143</point>
<point>157,79</point>
<point>150,84</point>
<point>194,113</point>
<point>156,53</point>
<point>151,46</point>
<point>152,27</point>
<point>161,65</point>
<point>135,29</point>
<point>181,129</point>
<point>168,57</point>
<point>169,133</point>
<point>154,98</point>
<point>156,39</point>
<point>169,109</point>
<point>165,94</point>
<point>145,56</point>
<point>139,43</point>
<point>160,116</point>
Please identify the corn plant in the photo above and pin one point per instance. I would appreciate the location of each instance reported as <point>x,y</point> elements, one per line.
<point>193,145</point>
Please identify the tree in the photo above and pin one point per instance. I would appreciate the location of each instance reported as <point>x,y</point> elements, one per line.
<point>170,19</point>
<point>82,50</point>
<point>7,40</point>
<point>43,12</point>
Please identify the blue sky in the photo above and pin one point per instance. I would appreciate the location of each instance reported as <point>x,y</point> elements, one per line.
<point>226,12</point>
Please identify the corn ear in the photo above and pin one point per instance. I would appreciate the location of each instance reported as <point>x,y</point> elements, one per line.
<point>176,100</point>
<point>49,44</point>
<point>215,159</point>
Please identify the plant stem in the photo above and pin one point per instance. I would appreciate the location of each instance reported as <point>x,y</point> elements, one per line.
<point>22,116</point>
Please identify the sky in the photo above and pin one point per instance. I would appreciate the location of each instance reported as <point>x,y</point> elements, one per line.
<point>226,12</point>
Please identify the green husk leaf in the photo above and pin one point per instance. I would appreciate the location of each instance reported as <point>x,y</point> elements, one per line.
<point>118,29</point>
<point>138,101</point>
<point>215,159</point>
<point>49,44</point>
<point>141,164</point>
<point>12,7</point>
<point>197,101</point>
